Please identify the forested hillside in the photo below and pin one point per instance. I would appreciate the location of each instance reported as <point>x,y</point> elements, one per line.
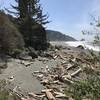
<point>58,36</point>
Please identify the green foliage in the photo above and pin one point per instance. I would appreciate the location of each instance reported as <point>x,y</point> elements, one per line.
<point>97,40</point>
<point>16,52</point>
<point>87,89</point>
<point>10,38</point>
<point>95,32</point>
<point>29,21</point>
<point>32,9</point>
<point>95,57</point>
<point>4,93</point>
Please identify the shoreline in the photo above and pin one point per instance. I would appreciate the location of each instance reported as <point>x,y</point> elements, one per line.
<point>86,45</point>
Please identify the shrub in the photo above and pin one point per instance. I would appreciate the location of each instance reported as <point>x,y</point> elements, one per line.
<point>88,89</point>
<point>5,94</point>
<point>10,38</point>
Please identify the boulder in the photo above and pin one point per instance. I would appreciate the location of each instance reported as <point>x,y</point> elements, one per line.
<point>80,47</point>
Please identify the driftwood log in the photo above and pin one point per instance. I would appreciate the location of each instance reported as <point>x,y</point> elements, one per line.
<point>49,95</point>
<point>76,72</point>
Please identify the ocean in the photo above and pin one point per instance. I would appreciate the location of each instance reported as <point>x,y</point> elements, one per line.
<point>86,45</point>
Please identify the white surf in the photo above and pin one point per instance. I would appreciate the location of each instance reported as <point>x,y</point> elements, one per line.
<point>86,45</point>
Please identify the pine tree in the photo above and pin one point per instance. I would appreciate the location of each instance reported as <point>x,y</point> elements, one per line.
<point>32,9</point>
<point>30,17</point>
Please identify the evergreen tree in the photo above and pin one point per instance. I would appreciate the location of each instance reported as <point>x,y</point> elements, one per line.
<point>30,16</point>
<point>32,9</point>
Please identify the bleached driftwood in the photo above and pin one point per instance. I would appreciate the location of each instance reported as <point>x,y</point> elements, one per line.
<point>60,95</point>
<point>70,66</point>
<point>76,72</point>
<point>49,95</point>
<point>45,81</point>
<point>68,81</point>
<point>36,72</point>
<point>55,57</point>
<point>67,76</point>
<point>47,90</point>
<point>33,95</point>
<point>61,56</point>
<point>26,63</point>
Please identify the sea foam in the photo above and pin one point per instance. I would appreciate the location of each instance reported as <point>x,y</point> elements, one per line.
<point>86,45</point>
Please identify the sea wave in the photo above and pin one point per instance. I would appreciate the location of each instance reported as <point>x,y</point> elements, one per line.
<point>85,44</point>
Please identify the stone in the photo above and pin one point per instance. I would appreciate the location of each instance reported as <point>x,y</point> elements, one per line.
<point>12,77</point>
<point>80,47</point>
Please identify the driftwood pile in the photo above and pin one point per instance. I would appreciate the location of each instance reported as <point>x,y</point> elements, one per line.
<point>68,69</point>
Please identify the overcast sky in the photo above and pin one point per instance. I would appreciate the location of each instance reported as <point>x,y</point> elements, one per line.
<point>68,16</point>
